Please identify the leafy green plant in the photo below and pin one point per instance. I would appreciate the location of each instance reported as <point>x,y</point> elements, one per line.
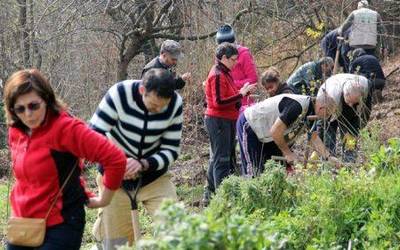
<point>387,159</point>
<point>369,141</point>
<point>269,194</point>
<point>310,210</point>
<point>179,230</point>
<point>4,196</point>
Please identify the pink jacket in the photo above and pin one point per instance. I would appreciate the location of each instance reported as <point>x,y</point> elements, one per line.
<point>244,71</point>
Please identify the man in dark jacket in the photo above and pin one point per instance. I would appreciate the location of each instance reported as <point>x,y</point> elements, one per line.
<point>330,44</point>
<point>170,53</point>
<point>369,66</point>
<point>308,77</point>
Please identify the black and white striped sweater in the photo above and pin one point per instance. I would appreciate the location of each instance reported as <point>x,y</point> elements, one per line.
<point>123,117</point>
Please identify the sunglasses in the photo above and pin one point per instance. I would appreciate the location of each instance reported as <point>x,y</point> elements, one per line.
<point>33,106</point>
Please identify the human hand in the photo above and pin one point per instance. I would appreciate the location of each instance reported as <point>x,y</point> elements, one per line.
<point>291,158</point>
<point>335,161</point>
<point>187,76</point>
<point>102,200</point>
<point>383,52</point>
<point>133,168</point>
<point>247,88</point>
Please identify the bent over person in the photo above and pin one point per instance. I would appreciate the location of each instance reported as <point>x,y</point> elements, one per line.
<point>270,127</point>
<point>47,145</point>
<point>352,95</point>
<point>369,66</point>
<point>309,76</point>
<point>270,80</point>
<point>144,118</point>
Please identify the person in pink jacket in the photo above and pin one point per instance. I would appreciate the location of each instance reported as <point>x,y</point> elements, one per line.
<point>245,70</point>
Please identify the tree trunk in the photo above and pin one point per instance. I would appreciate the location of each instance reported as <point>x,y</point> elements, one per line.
<point>134,49</point>
<point>122,73</point>
<point>36,56</point>
<point>24,29</point>
<point>2,61</point>
<point>150,50</point>
<point>218,11</point>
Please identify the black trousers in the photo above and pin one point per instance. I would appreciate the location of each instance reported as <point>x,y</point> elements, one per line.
<point>222,134</point>
<point>349,122</point>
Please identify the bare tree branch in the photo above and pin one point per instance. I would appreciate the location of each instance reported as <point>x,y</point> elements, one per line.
<point>297,56</point>
<point>107,9</point>
<point>143,14</point>
<point>170,27</point>
<point>178,37</point>
<point>162,12</point>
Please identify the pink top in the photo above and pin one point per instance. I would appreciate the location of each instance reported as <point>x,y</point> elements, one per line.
<point>244,71</point>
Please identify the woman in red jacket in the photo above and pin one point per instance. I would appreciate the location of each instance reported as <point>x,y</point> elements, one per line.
<point>223,104</point>
<point>245,70</point>
<point>46,144</point>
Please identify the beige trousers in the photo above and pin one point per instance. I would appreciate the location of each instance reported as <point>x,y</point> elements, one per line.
<point>113,226</point>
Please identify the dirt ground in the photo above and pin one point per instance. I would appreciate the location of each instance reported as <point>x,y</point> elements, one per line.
<point>387,113</point>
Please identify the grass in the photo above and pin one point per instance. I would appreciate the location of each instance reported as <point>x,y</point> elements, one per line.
<point>3,209</point>
<point>189,194</point>
<point>185,192</point>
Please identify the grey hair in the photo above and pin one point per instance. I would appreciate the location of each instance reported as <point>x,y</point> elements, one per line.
<point>354,88</point>
<point>362,4</point>
<point>326,61</point>
<point>326,101</point>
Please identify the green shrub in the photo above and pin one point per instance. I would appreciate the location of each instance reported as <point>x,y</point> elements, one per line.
<point>369,141</point>
<point>387,159</point>
<point>177,229</point>
<point>311,210</point>
<point>267,195</point>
